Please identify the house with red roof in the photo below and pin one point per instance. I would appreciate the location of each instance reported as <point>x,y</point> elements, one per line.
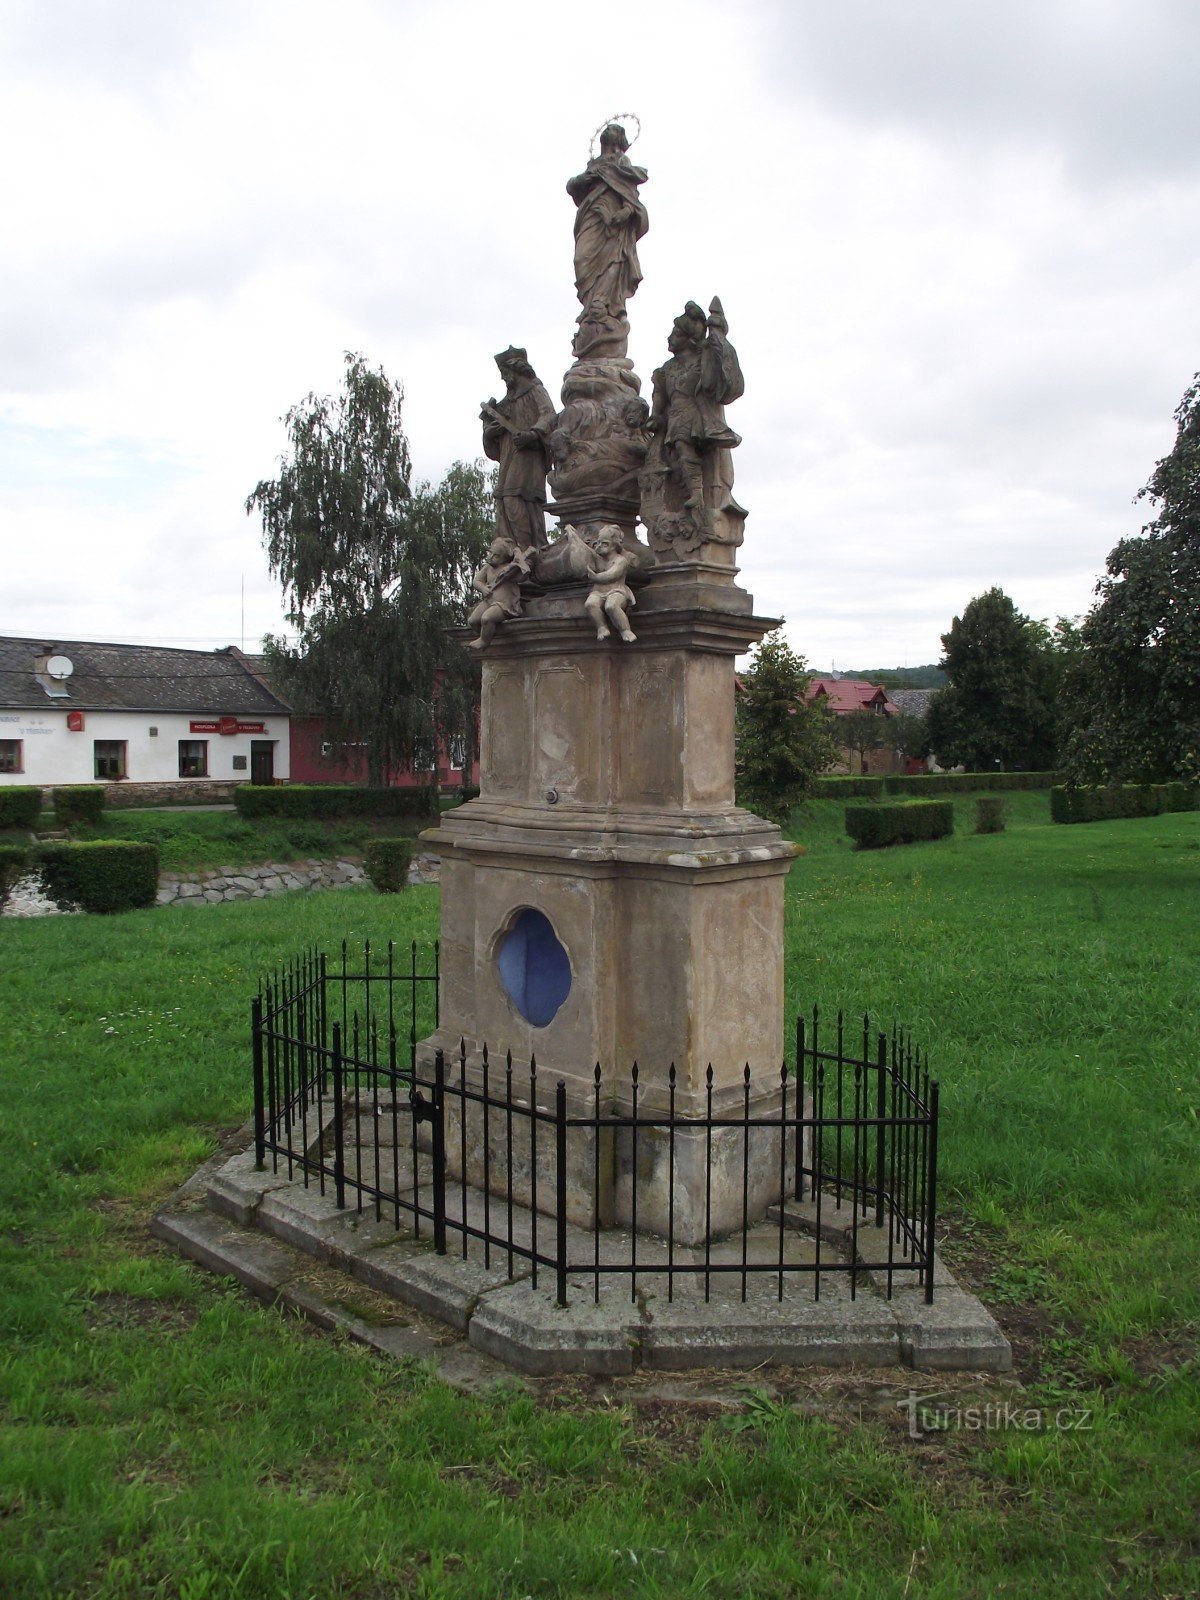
<point>842,696</point>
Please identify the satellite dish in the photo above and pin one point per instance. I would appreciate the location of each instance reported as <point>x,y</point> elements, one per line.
<point>59,667</point>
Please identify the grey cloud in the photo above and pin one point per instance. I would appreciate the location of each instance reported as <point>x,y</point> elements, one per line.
<point>1111,85</point>
<point>119,44</point>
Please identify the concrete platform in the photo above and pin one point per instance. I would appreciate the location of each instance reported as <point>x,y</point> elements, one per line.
<point>356,1273</point>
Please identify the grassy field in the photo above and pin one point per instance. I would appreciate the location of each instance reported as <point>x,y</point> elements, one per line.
<point>161,1434</point>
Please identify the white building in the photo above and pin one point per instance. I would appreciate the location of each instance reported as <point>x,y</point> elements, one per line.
<point>73,712</point>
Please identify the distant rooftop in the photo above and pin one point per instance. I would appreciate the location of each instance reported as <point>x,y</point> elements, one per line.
<point>131,677</point>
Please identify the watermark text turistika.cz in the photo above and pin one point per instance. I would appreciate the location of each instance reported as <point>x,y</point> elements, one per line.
<point>928,1413</point>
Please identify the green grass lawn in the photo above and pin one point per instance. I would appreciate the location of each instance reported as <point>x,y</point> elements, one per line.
<point>161,1434</point>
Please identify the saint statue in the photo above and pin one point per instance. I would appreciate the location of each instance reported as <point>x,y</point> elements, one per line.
<point>516,433</point>
<point>687,483</point>
<point>609,221</point>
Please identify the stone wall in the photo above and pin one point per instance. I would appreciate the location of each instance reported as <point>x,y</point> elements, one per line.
<point>230,883</point>
<point>184,792</point>
<point>254,883</point>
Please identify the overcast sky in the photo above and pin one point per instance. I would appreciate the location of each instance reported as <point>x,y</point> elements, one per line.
<point>956,242</point>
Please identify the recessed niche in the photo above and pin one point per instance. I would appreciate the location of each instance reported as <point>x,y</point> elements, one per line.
<point>534,968</point>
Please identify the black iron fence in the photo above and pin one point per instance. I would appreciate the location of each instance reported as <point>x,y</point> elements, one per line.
<point>826,1169</point>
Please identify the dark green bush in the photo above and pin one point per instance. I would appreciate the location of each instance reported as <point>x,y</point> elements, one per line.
<point>325,800</point>
<point>989,814</point>
<point>901,822</point>
<point>20,805</point>
<point>1115,800</point>
<point>15,862</point>
<point>78,803</point>
<point>107,875</point>
<point>925,783</point>
<point>836,787</point>
<point>387,862</point>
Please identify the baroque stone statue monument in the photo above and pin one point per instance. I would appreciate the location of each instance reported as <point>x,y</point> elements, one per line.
<point>605,899</point>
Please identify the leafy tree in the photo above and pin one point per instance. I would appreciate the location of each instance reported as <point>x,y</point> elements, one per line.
<point>861,732</point>
<point>999,707</point>
<point>374,571</point>
<point>1134,686</point>
<point>783,741</point>
<point>909,734</point>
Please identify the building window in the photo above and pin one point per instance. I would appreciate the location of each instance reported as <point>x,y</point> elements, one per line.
<point>458,755</point>
<point>10,756</point>
<point>193,758</point>
<point>110,757</point>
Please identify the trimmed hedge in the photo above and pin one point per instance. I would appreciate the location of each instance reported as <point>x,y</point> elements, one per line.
<point>387,862</point>
<point>328,800</point>
<point>923,783</point>
<point>108,875</point>
<point>906,822</point>
<point>20,805</point>
<point>989,814</point>
<point>15,862</point>
<point>78,803</point>
<point>847,788</point>
<point>1104,804</point>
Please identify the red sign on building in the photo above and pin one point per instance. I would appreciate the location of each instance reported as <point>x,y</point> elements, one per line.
<point>225,725</point>
<point>75,721</point>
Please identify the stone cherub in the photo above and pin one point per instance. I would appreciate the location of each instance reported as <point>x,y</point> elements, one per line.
<point>516,430</point>
<point>610,594</point>
<point>498,580</point>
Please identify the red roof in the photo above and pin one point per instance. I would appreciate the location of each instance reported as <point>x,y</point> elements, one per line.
<point>842,695</point>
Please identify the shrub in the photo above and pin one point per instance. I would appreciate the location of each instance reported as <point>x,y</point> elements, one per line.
<point>836,787</point>
<point>79,803</point>
<point>923,783</point>
<point>107,875</point>
<point>15,862</point>
<point>324,800</point>
<point>1121,800</point>
<point>989,814</point>
<point>873,827</point>
<point>450,799</point>
<point>387,862</point>
<point>20,806</point>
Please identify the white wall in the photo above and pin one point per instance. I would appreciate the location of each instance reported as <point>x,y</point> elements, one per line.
<point>53,755</point>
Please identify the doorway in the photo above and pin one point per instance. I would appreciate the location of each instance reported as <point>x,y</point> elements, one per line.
<point>262,761</point>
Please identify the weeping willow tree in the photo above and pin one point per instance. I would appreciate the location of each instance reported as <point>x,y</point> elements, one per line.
<point>374,571</point>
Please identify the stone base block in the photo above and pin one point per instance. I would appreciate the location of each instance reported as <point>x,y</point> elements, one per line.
<point>688,1181</point>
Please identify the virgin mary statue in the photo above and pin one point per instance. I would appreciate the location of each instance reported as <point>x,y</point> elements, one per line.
<point>609,221</point>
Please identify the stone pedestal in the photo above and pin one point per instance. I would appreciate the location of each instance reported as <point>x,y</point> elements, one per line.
<point>607,807</point>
